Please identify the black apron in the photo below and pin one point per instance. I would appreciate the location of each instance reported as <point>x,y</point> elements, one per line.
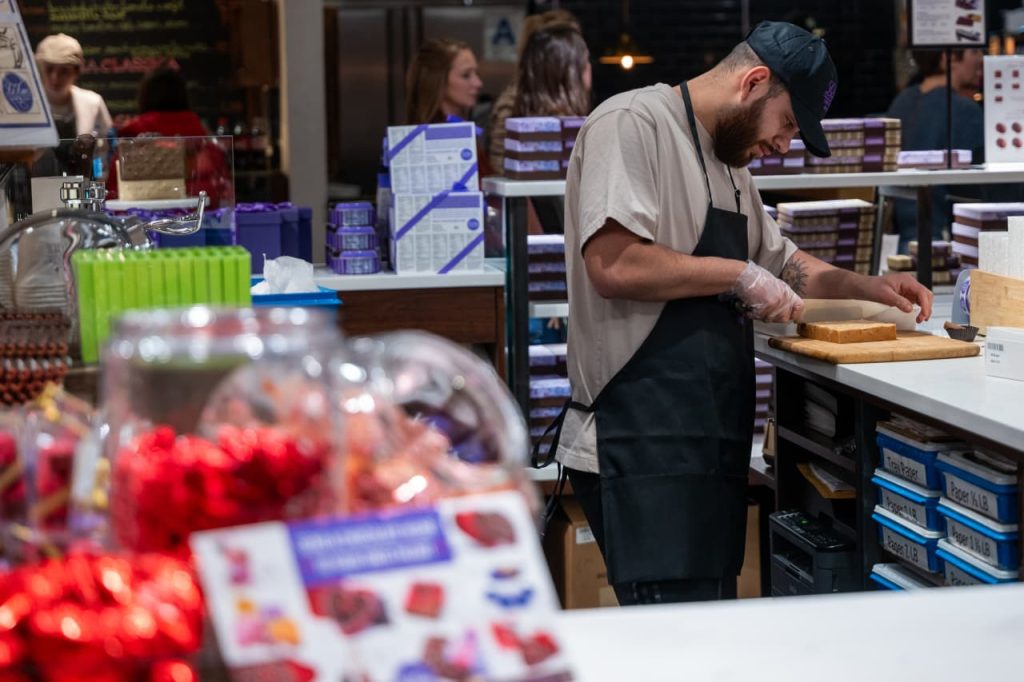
<point>675,427</point>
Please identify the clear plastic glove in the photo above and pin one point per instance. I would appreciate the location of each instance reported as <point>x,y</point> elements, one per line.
<point>765,296</point>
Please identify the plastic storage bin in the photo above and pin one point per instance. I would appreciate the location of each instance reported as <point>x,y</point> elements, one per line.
<point>960,568</point>
<point>910,459</point>
<point>325,298</point>
<point>971,482</point>
<point>355,262</point>
<point>912,544</point>
<point>353,213</point>
<point>908,500</point>
<point>994,543</point>
<point>896,577</point>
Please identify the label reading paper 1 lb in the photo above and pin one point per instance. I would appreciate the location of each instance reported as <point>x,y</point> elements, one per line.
<point>904,508</point>
<point>972,541</point>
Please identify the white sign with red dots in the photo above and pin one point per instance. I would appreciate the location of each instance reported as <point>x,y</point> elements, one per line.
<point>1004,109</point>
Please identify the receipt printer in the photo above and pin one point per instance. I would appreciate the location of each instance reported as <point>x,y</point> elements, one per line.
<point>809,557</point>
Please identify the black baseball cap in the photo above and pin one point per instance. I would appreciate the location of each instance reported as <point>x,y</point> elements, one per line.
<point>803,64</point>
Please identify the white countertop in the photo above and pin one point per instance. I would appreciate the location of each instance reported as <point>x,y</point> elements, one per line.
<point>951,634</point>
<point>995,173</point>
<point>1004,172</point>
<point>955,391</point>
<point>491,276</point>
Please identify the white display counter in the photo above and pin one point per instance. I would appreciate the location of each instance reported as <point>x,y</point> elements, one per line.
<point>936,634</point>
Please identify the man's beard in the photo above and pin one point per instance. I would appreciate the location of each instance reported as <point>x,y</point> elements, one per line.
<point>737,133</point>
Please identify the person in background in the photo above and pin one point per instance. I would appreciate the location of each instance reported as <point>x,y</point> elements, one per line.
<point>554,79</point>
<point>506,101</point>
<point>442,83</point>
<point>164,107</point>
<point>76,111</point>
<point>164,111</point>
<point>921,109</point>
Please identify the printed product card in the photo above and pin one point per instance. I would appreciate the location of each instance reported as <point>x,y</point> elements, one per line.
<point>433,158</point>
<point>437,233</point>
<point>1004,109</point>
<point>949,23</point>
<point>25,119</point>
<point>452,592</point>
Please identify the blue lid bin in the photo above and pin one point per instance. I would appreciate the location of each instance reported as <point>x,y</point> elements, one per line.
<point>972,480</point>
<point>961,569</point>
<point>912,544</point>
<point>907,500</point>
<point>910,459</point>
<point>996,544</point>
<point>259,232</point>
<point>896,578</point>
<point>325,298</point>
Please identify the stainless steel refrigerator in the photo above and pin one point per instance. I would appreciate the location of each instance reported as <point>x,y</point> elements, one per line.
<point>369,45</point>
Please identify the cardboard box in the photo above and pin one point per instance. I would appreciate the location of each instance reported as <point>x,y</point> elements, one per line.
<point>437,233</point>
<point>427,159</point>
<point>575,560</point>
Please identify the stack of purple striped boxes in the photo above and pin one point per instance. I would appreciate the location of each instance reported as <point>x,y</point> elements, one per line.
<point>970,220</point>
<point>838,231</point>
<point>352,247</point>
<point>549,389</point>
<point>539,147</point>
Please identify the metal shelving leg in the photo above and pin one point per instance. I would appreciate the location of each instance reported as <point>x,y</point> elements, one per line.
<point>924,236</point>
<point>517,302</point>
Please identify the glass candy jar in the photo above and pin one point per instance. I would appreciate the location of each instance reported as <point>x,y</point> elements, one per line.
<point>215,418</point>
<point>425,419</point>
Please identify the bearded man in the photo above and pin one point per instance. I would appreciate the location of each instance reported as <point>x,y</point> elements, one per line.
<point>669,255</point>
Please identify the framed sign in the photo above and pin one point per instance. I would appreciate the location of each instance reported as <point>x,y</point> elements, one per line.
<point>25,119</point>
<point>946,23</point>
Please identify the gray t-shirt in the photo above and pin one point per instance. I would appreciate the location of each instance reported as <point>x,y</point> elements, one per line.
<point>634,161</point>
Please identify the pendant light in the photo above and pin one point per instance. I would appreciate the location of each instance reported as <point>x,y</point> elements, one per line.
<point>626,52</point>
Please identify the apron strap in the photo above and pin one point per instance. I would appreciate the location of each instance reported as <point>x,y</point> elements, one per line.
<point>688,106</point>
<point>555,427</point>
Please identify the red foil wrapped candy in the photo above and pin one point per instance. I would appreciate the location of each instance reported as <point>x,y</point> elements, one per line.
<point>165,486</point>
<point>99,617</point>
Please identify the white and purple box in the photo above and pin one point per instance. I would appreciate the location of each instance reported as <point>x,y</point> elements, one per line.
<point>437,233</point>
<point>432,158</point>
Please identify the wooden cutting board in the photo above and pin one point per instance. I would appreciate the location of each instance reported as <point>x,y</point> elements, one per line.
<point>907,346</point>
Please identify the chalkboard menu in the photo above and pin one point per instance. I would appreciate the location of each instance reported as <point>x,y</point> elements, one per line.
<point>123,39</point>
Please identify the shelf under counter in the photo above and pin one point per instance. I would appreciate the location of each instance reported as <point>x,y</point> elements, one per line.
<point>817,445</point>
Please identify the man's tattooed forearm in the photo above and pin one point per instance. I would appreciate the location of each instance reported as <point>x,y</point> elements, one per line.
<point>795,275</point>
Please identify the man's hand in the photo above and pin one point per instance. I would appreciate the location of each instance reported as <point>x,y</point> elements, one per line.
<point>766,296</point>
<point>900,290</point>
